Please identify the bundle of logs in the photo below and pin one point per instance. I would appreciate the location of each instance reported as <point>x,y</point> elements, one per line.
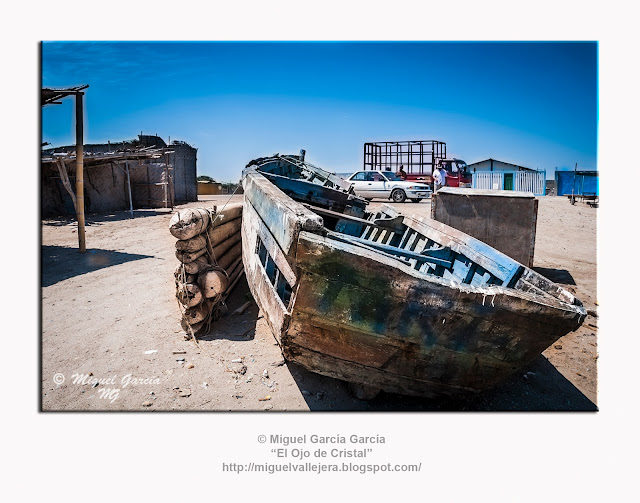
<point>209,249</point>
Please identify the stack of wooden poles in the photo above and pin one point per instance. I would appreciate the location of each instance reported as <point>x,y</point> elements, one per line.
<point>209,249</point>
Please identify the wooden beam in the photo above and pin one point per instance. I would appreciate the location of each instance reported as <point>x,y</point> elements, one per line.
<point>393,224</point>
<point>129,185</point>
<point>283,216</point>
<point>335,214</point>
<point>64,177</point>
<point>397,252</point>
<point>80,173</point>
<point>166,183</point>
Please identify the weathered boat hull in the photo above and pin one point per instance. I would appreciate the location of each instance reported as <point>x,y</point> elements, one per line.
<point>393,331</point>
<point>351,313</point>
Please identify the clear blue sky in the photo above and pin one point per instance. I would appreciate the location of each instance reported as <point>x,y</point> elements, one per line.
<point>533,104</point>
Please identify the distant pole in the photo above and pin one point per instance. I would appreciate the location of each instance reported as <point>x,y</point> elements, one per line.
<point>166,180</point>
<point>80,172</point>
<point>126,163</point>
<point>573,189</point>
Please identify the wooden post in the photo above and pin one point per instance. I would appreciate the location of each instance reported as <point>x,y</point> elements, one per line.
<point>148,187</point>
<point>80,173</point>
<point>126,162</point>
<point>166,180</point>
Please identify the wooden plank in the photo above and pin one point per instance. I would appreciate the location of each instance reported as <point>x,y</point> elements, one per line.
<point>534,223</point>
<point>233,267</point>
<point>230,256</point>
<point>440,365</point>
<point>234,282</point>
<point>541,283</point>
<point>226,214</point>
<point>405,237</point>
<point>469,277</point>
<point>335,214</point>
<point>276,314</point>
<point>166,185</point>
<point>367,232</point>
<point>223,232</point>
<point>495,262</point>
<point>129,187</point>
<point>283,217</point>
<point>390,211</point>
<point>392,224</point>
<point>382,236</point>
<point>218,250</point>
<point>64,177</point>
<point>357,266</point>
<point>311,192</point>
<point>392,250</point>
<point>80,172</point>
<point>147,184</point>
<point>354,372</point>
<point>458,272</point>
<point>411,239</point>
<point>254,225</point>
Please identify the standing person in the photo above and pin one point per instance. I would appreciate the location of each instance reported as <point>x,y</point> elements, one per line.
<point>402,173</point>
<point>438,179</point>
<point>443,174</point>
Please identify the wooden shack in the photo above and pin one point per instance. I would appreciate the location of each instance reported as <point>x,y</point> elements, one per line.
<point>504,219</point>
<point>207,188</point>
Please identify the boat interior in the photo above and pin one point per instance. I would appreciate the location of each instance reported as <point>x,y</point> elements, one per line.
<point>413,242</point>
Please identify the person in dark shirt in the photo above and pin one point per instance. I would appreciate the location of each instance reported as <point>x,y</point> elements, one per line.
<point>402,173</point>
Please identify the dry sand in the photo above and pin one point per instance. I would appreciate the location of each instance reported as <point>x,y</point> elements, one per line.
<point>104,310</point>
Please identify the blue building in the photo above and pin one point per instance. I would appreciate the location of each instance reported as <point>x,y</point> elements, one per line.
<point>579,183</point>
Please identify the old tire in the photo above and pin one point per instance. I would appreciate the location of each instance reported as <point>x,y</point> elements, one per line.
<point>398,196</point>
<point>416,200</point>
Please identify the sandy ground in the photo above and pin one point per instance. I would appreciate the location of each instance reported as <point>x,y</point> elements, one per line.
<point>111,315</point>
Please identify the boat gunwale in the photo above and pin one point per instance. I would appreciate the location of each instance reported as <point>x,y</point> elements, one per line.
<point>485,291</point>
<point>300,210</point>
<point>342,184</point>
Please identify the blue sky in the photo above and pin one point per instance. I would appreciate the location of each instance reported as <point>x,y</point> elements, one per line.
<point>533,104</point>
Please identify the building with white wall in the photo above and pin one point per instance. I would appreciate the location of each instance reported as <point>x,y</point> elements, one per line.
<point>500,175</point>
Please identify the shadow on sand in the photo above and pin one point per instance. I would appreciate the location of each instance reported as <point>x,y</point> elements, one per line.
<point>99,218</point>
<point>561,276</point>
<point>61,262</point>
<point>231,327</point>
<point>543,388</point>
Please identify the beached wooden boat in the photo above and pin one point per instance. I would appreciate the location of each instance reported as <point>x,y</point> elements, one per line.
<point>399,303</point>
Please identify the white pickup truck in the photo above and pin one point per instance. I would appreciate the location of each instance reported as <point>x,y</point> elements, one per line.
<point>387,185</point>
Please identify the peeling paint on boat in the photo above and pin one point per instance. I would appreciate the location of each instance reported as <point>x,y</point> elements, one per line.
<point>366,316</point>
